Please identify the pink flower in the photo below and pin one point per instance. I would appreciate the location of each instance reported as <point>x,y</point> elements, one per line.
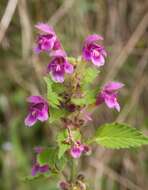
<point>37,168</point>
<point>38,110</point>
<point>93,51</point>
<point>59,66</point>
<point>109,95</point>
<point>47,40</point>
<point>78,148</point>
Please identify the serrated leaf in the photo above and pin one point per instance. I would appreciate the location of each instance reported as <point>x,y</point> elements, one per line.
<point>88,98</point>
<point>116,135</point>
<point>53,98</point>
<point>61,137</point>
<point>90,75</point>
<point>56,114</point>
<point>58,88</point>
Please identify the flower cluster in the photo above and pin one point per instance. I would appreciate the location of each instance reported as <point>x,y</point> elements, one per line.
<point>76,108</point>
<point>48,42</point>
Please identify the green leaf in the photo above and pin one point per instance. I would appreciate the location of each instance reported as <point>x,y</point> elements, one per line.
<point>53,98</point>
<point>88,98</point>
<point>60,164</point>
<point>76,135</point>
<point>116,135</point>
<point>47,156</point>
<point>50,156</point>
<point>78,101</point>
<point>62,149</point>
<point>90,75</point>
<point>58,88</point>
<point>56,114</point>
<point>61,137</point>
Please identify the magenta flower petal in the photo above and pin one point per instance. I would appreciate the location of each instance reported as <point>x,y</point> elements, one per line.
<point>59,66</point>
<point>58,53</point>
<point>38,110</point>
<point>57,45</point>
<point>44,168</point>
<point>30,120</point>
<point>45,43</point>
<point>98,61</point>
<point>46,39</point>
<point>43,115</point>
<point>68,68</point>
<point>57,78</point>
<point>44,28</point>
<point>75,152</point>
<point>35,99</point>
<point>94,52</point>
<point>35,169</point>
<point>93,38</point>
<point>39,169</point>
<point>111,86</point>
<point>111,101</point>
<point>109,95</point>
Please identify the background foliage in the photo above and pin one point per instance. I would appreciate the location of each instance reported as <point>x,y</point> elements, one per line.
<point>124,27</point>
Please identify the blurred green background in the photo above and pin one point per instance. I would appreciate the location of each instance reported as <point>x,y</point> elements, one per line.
<point>124,26</point>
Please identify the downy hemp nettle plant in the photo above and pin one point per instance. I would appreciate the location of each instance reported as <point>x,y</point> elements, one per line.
<point>71,98</point>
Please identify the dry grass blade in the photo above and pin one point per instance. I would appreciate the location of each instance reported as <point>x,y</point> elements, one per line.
<point>114,176</point>
<point>141,81</point>
<point>127,49</point>
<point>26,28</point>
<point>7,17</point>
<point>61,12</point>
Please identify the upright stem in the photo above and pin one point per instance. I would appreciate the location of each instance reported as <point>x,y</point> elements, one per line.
<point>73,170</point>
